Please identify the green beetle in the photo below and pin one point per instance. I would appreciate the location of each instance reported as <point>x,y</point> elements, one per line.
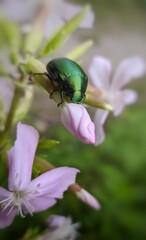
<point>68,78</point>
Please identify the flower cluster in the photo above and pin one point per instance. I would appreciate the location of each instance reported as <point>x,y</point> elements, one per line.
<point>111,86</point>
<point>61,228</point>
<point>33,190</point>
<point>26,195</point>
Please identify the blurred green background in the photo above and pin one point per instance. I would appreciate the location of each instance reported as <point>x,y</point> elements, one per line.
<point>115,172</point>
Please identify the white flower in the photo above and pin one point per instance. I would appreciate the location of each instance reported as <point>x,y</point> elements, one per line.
<point>25,195</point>
<point>59,11</point>
<point>111,86</point>
<point>61,228</point>
<point>19,10</point>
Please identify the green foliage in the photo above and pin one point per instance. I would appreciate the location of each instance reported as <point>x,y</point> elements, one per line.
<point>33,39</point>
<point>64,32</point>
<point>46,144</point>
<point>114,172</point>
<point>10,34</point>
<point>80,50</point>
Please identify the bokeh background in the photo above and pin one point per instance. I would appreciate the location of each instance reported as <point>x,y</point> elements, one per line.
<point>114,172</point>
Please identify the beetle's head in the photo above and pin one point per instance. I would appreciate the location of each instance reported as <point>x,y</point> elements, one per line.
<point>77,97</point>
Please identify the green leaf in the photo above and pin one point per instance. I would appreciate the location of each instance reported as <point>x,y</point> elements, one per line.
<point>40,166</point>
<point>64,32</point>
<point>35,36</point>
<point>31,233</point>
<point>33,40</point>
<point>10,38</point>
<point>80,50</point>
<point>35,66</point>
<point>10,34</point>
<point>47,144</point>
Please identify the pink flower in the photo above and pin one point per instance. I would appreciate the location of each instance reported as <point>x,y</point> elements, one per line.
<point>26,195</point>
<point>24,11</point>
<point>87,198</point>
<point>61,228</point>
<point>20,11</point>
<point>101,76</point>
<point>77,120</point>
<point>56,16</point>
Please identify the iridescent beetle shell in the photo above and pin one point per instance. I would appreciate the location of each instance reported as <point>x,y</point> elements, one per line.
<point>68,78</point>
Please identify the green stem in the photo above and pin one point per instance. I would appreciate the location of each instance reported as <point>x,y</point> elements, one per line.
<point>10,117</point>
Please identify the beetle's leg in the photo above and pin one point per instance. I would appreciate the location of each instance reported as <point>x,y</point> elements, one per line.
<point>62,98</point>
<point>56,88</point>
<point>53,92</point>
<point>61,95</point>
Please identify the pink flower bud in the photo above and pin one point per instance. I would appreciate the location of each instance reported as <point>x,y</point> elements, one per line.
<point>77,120</point>
<point>87,198</point>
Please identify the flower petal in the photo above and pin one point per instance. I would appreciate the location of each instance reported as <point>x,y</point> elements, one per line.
<point>100,71</point>
<point>57,18</point>
<point>50,186</point>
<point>21,157</point>
<point>40,204</point>
<point>61,228</point>
<point>55,221</point>
<point>128,70</point>
<point>121,99</point>
<point>53,22</point>
<point>19,11</point>
<point>71,10</point>
<point>77,120</point>
<point>99,120</point>
<point>4,193</point>
<point>89,199</point>
<point>6,218</point>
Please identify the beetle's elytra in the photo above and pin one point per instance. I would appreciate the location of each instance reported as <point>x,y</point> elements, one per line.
<point>68,78</point>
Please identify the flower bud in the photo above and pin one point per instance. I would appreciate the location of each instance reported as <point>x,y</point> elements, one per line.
<point>87,198</point>
<point>77,120</point>
<point>97,98</point>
